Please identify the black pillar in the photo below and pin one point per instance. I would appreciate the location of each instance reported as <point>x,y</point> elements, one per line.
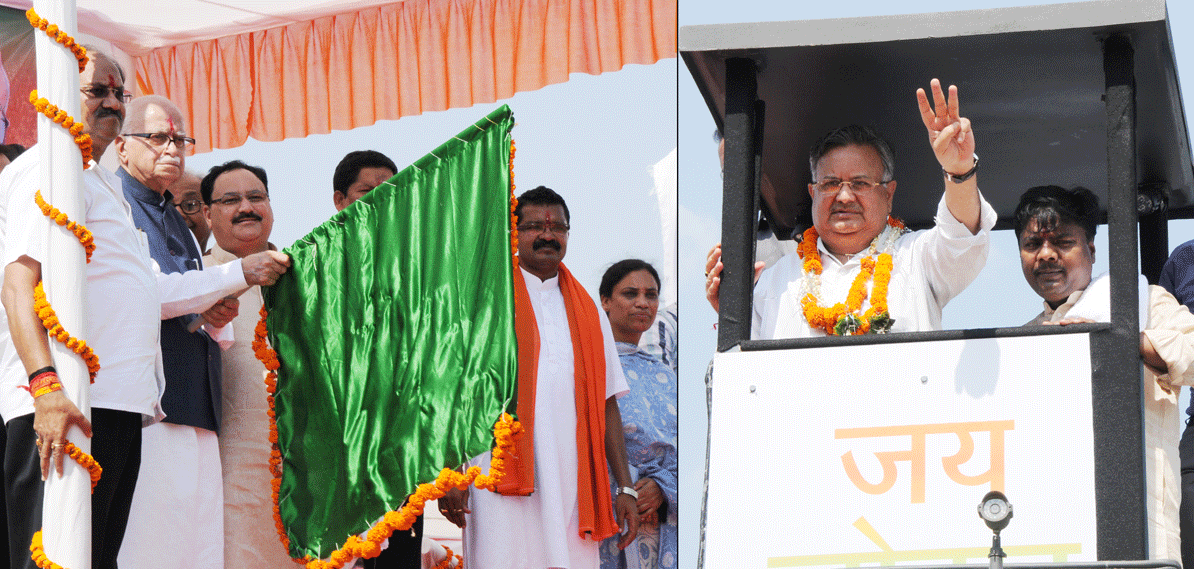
<point>1122,526</point>
<point>739,203</point>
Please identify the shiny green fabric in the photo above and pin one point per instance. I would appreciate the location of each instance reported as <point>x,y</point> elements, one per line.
<point>395,331</point>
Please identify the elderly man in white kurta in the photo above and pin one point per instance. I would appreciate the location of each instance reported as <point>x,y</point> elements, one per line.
<point>857,269</point>
<point>562,522</point>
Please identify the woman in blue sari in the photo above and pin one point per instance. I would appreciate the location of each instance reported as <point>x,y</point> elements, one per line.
<point>630,296</point>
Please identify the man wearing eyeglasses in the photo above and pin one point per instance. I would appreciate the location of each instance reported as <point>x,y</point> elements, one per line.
<point>857,270</point>
<point>179,496</point>
<point>189,203</point>
<point>553,506</point>
<point>121,325</point>
<point>237,208</point>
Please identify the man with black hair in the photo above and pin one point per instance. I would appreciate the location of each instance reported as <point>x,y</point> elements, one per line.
<point>553,507</point>
<point>1055,229</point>
<point>357,174</point>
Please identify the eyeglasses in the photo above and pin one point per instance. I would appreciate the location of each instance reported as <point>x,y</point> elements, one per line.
<point>190,206</point>
<point>858,185</point>
<point>540,227</point>
<point>161,139</point>
<point>102,92</point>
<point>233,200</point>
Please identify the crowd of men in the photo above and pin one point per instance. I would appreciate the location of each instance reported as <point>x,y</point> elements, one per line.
<point>178,418</point>
<point>180,387</point>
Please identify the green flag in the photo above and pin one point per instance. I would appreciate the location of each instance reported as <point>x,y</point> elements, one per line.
<point>395,332</point>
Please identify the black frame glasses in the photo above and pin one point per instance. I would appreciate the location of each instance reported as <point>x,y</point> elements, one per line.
<point>161,139</point>
<point>102,91</point>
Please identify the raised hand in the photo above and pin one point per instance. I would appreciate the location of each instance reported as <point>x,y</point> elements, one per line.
<point>949,133</point>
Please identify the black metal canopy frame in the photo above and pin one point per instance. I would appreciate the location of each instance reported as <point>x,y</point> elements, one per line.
<point>1073,94</point>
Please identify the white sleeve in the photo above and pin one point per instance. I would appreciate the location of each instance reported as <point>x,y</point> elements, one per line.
<point>193,292</point>
<point>950,256</point>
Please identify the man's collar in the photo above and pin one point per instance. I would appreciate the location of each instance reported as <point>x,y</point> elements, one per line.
<point>855,258</point>
<point>1064,307</point>
<point>535,283</point>
<point>141,192</point>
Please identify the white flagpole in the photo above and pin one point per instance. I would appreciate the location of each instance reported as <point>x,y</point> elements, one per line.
<point>66,515</point>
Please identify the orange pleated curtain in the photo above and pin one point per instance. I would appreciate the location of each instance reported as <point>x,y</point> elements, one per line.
<point>350,70</point>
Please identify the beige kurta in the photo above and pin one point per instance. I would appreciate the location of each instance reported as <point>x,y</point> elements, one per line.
<point>1170,328</point>
<point>250,539</point>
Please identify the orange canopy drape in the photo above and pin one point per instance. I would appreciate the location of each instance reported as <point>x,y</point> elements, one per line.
<point>350,70</point>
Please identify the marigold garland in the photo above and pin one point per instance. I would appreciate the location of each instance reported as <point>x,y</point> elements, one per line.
<point>38,554</point>
<point>513,206</point>
<point>505,431</point>
<point>59,36</point>
<point>845,317</point>
<point>86,461</point>
<point>80,230</point>
<point>36,549</point>
<point>446,562</point>
<point>50,321</point>
<point>59,116</point>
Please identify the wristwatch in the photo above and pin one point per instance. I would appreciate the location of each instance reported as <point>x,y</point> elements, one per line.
<point>628,491</point>
<point>959,178</point>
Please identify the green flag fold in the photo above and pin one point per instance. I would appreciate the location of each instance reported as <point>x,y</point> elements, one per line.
<point>395,332</point>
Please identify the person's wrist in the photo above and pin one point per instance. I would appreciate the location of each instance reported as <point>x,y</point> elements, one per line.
<point>958,178</point>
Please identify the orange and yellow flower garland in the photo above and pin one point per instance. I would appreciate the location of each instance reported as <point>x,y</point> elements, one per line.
<point>513,206</point>
<point>86,461</point>
<point>505,431</point>
<point>828,318</point>
<point>59,36</point>
<point>50,321</point>
<point>38,554</point>
<point>446,562</point>
<point>61,117</point>
<point>80,231</point>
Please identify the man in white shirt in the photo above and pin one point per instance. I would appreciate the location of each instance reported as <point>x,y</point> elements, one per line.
<point>857,270</point>
<point>556,516</point>
<point>126,390</point>
<point>1055,229</point>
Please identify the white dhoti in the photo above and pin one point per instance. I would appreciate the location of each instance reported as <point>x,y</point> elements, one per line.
<point>540,531</point>
<point>177,517</point>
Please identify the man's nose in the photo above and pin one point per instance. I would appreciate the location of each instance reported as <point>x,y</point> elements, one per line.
<point>845,194</point>
<point>1047,251</point>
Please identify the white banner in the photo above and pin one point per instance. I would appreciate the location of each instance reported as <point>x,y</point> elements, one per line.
<point>880,454</point>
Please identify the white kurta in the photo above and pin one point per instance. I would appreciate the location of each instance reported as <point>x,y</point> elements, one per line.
<point>250,539</point>
<point>930,267</point>
<point>1170,328</point>
<point>122,295</point>
<point>541,530</point>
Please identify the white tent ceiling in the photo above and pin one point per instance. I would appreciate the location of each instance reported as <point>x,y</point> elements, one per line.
<point>137,26</point>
